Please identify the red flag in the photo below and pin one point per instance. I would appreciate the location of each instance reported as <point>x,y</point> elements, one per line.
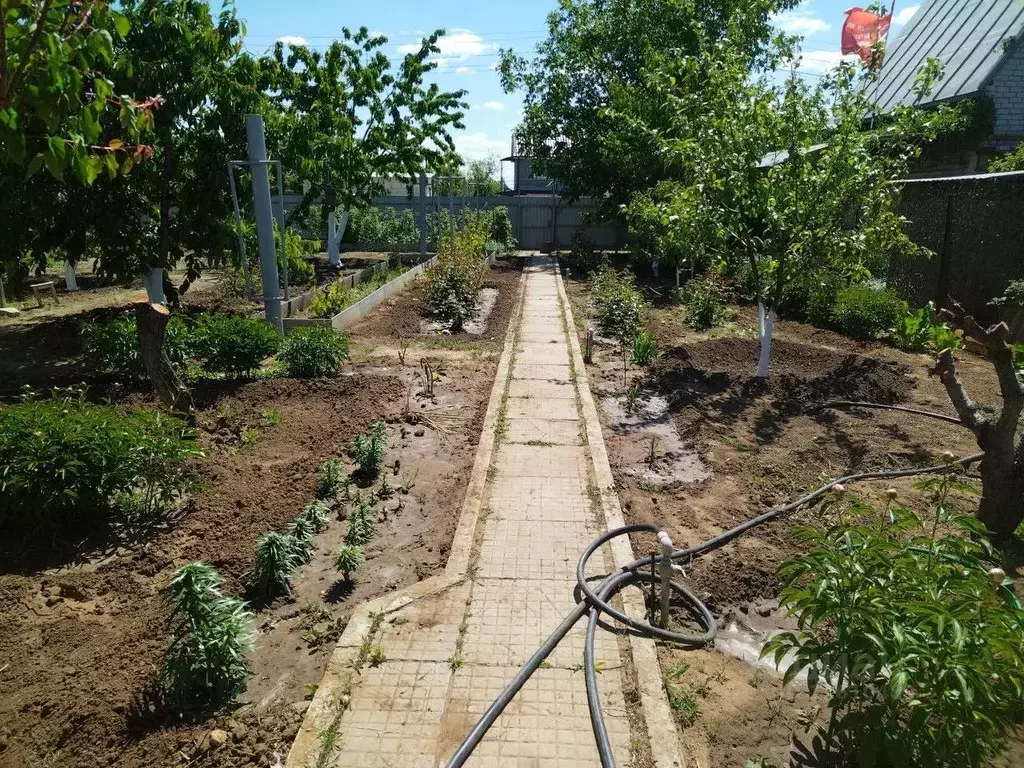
<point>862,29</point>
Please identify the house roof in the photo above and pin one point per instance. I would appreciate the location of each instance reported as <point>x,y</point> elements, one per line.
<point>970,37</point>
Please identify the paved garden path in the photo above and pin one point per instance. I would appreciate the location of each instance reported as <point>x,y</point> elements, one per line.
<point>540,493</point>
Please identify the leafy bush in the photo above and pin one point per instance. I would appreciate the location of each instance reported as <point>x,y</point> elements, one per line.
<point>452,286</point>
<point>348,558</point>
<point>330,479</point>
<point>705,299</point>
<point>115,346</point>
<point>300,271</point>
<point>316,513</point>
<point>368,450</point>
<point>338,297</point>
<point>501,230</point>
<point>864,312</point>
<point>1013,296</point>
<point>301,532</point>
<point>64,461</point>
<point>360,523</point>
<point>919,642</point>
<point>275,563</point>
<point>472,231</point>
<point>918,331</point>
<point>644,348</point>
<point>618,303</point>
<point>234,345</point>
<point>204,665</point>
<point>582,259</point>
<point>376,225</point>
<point>309,353</point>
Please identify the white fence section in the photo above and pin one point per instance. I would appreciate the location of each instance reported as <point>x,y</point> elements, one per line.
<point>538,221</point>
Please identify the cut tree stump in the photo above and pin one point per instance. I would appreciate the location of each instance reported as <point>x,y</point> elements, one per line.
<point>152,325</point>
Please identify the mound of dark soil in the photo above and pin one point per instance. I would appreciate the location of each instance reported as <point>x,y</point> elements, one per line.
<point>717,376</point>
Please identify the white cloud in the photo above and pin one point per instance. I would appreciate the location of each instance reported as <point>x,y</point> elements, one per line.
<point>292,40</point>
<point>458,45</point>
<point>819,62</point>
<point>462,70</point>
<point>905,14</point>
<point>494,106</point>
<point>477,146</point>
<point>800,22</point>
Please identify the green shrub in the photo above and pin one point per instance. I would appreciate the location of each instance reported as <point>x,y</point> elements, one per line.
<point>821,301</point>
<point>300,271</point>
<point>330,479</point>
<point>644,349</point>
<point>360,523</point>
<point>919,642</point>
<point>368,450</point>
<point>234,345</point>
<point>115,346</point>
<point>381,225</point>
<point>864,312</point>
<point>301,532</point>
<point>65,461</point>
<point>582,259</point>
<point>452,287</point>
<point>501,230</point>
<point>705,299</point>
<point>275,563</point>
<point>1013,296</point>
<point>309,353</point>
<point>918,331</point>
<point>618,303</point>
<point>331,301</point>
<point>204,666</point>
<point>316,513</point>
<point>347,559</point>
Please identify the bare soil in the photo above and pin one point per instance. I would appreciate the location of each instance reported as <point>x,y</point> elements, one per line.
<point>80,640</point>
<point>406,315</point>
<point>762,445</point>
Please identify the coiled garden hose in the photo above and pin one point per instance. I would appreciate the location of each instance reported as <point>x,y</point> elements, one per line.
<point>596,602</point>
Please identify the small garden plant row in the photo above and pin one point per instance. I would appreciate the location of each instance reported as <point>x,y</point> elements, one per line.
<point>204,667</point>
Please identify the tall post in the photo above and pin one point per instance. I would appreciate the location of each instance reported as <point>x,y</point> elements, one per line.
<point>665,567</point>
<point>451,210</point>
<point>264,218</point>
<point>423,214</point>
<point>3,296</point>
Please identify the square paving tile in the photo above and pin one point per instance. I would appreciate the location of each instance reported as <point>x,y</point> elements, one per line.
<point>426,629</point>
<point>538,499</point>
<point>564,465</point>
<point>546,336</point>
<point>524,429</point>
<point>510,619</point>
<point>538,408</point>
<point>544,389</point>
<point>548,723</point>
<point>522,549</point>
<point>532,371</point>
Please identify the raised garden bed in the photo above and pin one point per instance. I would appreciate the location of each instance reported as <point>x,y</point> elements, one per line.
<point>82,637</point>
<point>755,446</point>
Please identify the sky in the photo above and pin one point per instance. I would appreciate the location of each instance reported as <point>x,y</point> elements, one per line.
<point>474,34</point>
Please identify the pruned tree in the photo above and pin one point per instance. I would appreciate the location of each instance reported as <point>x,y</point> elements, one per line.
<point>998,432</point>
<point>151,322</point>
<point>599,51</point>
<point>347,117</point>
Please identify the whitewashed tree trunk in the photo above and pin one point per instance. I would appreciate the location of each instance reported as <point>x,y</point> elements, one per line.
<point>70,281</point>
<point>677,275</point>
<point>333,240</point>
<point>765,327</point>
<point>155,285</point>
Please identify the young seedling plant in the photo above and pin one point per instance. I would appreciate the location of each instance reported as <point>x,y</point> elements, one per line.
<point>330,480</point>
<point>301,532</point>
<point>275,563</point>
<point>347,559</point>
<point>368,451</point>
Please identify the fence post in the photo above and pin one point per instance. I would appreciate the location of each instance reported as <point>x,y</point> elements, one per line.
<point>264,218</point>
<point>423,213</point>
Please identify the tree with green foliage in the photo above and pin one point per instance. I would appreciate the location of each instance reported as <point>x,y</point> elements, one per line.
<point>598,51</point>
<point>347,117</point>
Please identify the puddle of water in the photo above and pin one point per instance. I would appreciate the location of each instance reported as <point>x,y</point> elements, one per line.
<point>476,326</point>
<point>675,461</point>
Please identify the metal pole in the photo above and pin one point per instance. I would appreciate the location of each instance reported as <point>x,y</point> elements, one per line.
<point>264,218</point>
<point>280,226</point>
<point>3,296</point>
<point>238,230</point>
<point>423,214</point>
<point>665,567</point>
<point>451,210</point>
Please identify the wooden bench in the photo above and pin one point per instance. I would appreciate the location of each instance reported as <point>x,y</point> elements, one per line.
<point>48,285</point>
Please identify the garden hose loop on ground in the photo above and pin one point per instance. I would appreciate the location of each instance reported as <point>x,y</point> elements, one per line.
<point>595,602</point>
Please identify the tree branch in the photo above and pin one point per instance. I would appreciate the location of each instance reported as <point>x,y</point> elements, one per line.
<point>30,48</point>
<point>970,415</point>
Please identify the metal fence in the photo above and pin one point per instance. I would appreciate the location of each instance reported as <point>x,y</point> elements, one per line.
<point>538,221</point>
<point>975,227</point>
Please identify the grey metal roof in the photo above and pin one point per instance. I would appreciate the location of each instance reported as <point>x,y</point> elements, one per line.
<point>968,36</point>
